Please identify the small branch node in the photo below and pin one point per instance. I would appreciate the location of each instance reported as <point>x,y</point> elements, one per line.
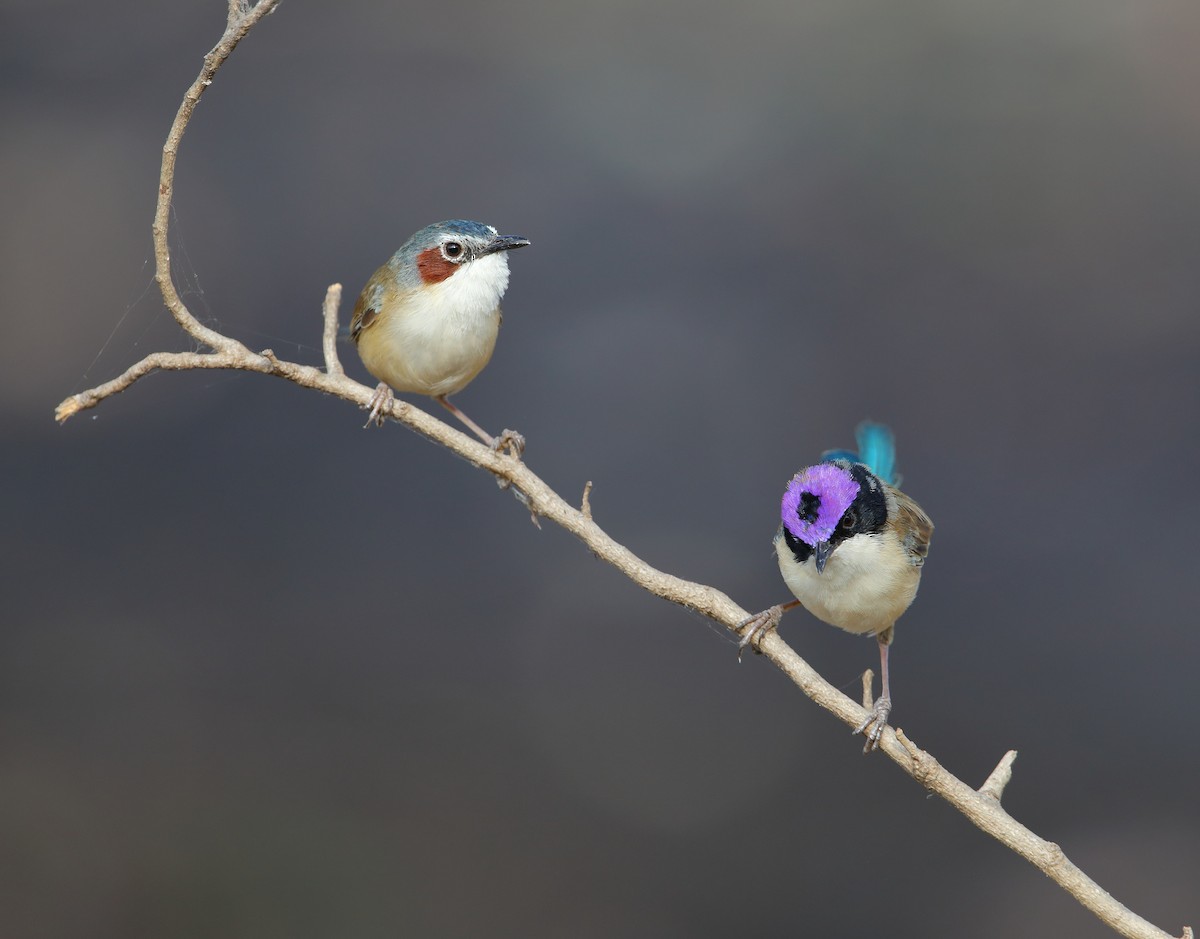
<point>913,750</point>
<point>921,769</point>
<point>1187,933</point>
<point>1055,857</point>
<point>924,766</point>
<point>585,508</point>
<point>993,786</point>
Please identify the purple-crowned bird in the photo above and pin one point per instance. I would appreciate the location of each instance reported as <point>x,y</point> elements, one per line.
<point>851,547</point>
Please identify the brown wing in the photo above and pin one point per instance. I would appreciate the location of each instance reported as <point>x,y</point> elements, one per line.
<point>363,316</point>
<point>916,525</point>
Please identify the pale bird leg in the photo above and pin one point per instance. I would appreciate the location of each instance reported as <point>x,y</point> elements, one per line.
<point>380,403</point>
<point>509,439</point>
<point>755,627</point>
<point>877,718</point>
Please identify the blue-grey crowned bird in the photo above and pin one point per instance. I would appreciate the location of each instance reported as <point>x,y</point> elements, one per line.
<point>427,320</point>
<point>851,547</point>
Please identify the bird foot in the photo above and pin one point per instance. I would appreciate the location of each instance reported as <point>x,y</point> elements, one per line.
<point>876,720</point>
<point>511,441</point>
<point>381,402</point>
<point>754,628</point>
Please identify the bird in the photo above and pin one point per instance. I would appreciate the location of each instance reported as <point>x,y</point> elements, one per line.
<point>426,322</point>
<point>851,547</point>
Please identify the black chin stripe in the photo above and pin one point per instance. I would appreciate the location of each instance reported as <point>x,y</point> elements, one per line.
<point>800,551</point>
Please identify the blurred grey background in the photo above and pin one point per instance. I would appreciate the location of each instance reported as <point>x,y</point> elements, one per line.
<point>264,673</point>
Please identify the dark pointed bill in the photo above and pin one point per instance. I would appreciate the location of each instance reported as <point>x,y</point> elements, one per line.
<point>503,243</point>
<point>821,553</point>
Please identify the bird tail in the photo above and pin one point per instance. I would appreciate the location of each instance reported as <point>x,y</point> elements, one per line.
<point>876,450</point>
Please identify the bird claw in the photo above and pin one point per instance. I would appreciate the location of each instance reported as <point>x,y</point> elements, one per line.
<point>754,628</point>
<point>874,723</point>
<point>511,441</point>
<point>381,402</point>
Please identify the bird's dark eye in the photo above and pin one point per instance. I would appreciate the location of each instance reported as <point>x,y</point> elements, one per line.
<point>849,520</point>
<point>452,249</point>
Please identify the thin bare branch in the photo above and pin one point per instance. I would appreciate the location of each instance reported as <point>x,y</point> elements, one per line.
<point>241,19</point>
<point>158,361</point>
<point>333,299</point>
<point>981,807</point>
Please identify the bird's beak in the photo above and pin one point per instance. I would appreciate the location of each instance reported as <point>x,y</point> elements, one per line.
<point>504,243</point>
<point>821,553</point>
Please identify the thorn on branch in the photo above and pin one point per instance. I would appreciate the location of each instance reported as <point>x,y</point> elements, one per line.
<point>585,508</point>
<point>993,786</point>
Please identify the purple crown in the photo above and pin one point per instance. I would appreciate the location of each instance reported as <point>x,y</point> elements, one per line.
<point>815,500</point>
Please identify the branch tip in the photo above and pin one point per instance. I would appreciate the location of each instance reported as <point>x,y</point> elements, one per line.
<point>993,786</point>
<point>868,697</point>
<point>68,409</point>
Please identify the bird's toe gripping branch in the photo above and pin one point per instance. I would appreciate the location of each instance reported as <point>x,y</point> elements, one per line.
<point>755,627</point>
<point>380,405</point>
<point>511,441</point>
<point>874,723</point>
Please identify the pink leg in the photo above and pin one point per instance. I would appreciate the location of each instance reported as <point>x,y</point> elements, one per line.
<point>510,438</point>
<point>877,718</point>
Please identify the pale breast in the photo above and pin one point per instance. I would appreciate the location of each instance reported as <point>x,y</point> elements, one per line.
<point>429,353</point>
<point>437,338</point>
<point>867,583</point>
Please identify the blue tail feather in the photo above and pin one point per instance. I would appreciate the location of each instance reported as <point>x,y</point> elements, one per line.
<point>876,449</point>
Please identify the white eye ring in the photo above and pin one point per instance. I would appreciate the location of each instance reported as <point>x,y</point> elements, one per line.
<point>452,250</point>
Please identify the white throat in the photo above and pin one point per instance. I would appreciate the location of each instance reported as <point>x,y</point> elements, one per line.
<point>867,583</point>
<point>471,293</point>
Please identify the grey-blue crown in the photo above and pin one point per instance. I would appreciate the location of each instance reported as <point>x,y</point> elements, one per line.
<point>431,235</point>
